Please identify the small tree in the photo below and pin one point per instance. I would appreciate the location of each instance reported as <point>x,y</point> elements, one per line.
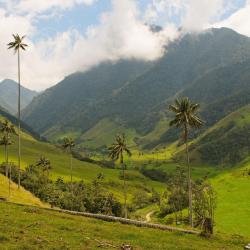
<point>45,164</point>
<point>204,207</point>
<point>116,152</point>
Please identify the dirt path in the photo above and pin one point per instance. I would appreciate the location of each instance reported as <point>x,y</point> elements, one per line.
<point>148,216</point>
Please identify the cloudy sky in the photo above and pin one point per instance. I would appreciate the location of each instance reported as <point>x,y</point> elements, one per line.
<point>65,36</point>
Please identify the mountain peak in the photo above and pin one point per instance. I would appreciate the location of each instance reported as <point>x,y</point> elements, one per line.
<point>9,95</point>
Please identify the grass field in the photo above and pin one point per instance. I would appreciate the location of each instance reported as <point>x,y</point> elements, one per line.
<point>233,195</point>
<point>32,228</point>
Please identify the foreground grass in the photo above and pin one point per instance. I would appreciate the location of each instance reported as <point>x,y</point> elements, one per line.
<point>34,228</point>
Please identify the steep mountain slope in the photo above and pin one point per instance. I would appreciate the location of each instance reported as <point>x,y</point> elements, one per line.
<point>8,96</point>
<point>64,104</point>
<point>219,92</point>
<point>140,102</point>
<point>228,141</point>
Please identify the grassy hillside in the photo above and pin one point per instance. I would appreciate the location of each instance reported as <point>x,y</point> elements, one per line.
<point>32,228</point>
<point>227,142</point>
<point>21,195</point>
<point>33,149</point>
<point>233,192</point>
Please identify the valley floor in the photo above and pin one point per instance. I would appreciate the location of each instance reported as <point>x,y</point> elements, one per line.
<point>25,227</point>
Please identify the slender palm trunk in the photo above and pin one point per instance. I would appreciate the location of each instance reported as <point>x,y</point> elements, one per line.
<point>125,193</point>
<point>71,169</point>
<point>6,165</point>
<point>19,122</point>
<point>189,180</point>
<point>124,189</point>
<point>9,168</point>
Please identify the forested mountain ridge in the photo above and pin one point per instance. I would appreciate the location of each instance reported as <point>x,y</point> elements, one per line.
<point>80,91</point>
<point>8,95</point>
<point>212,68</point>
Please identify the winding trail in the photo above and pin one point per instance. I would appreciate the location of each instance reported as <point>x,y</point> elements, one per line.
<point>148,216</point>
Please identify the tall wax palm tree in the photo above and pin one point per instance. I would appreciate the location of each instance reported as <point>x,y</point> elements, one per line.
<point>116,152</point>
<point>68,145</point>
<point>185,117</point>
<point>6,141</point>
<point>18,45</point>
<point>45,164</point>
<point>7,129</point>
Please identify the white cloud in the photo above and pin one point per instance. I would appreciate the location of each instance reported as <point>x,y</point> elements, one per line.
<point>199,14</point>
<point>239,21</point>
<point>120,34</point>
<point>193,15</point>
<point>38,6</point>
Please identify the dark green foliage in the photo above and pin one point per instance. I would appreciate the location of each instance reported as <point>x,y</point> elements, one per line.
<point>102,163</point>
<point>82,197</point>
<point>226,145</point>
<point>155,174</point>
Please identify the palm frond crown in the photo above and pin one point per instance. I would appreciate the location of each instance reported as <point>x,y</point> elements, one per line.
<point>68,143</point>
<point>6,140</point>
<point>7,128</point>
<point>185,114</point>
<point>119,147</point>
<point>17,43</point>
<point>44,163</point>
